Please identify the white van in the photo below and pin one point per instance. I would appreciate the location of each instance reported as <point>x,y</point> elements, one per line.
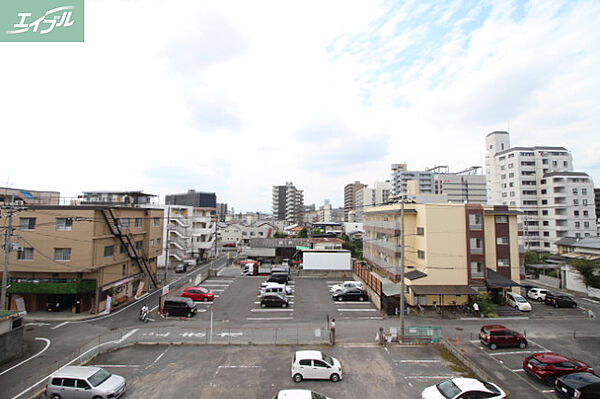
<point>276,289</point>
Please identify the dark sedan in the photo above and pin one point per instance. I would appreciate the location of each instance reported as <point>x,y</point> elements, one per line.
<point>351,294</point>
<point>274,301</point>
<point>560,301</point>
<point>578,385</point>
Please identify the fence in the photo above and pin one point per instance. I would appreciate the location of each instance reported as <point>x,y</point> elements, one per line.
<point>30,387</point>
<point>412,335</point>
<point>367,277</point>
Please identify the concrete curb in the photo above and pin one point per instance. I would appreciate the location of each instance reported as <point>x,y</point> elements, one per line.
<point>464,359</point>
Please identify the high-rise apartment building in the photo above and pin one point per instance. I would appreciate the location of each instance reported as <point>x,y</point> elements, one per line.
<point>350,197</point>
<point>288,203</point>
<point>367,197</point>
<point>554,200</point>
<point>325,212</point>
<point>464,187</point>
<point>401,176</point>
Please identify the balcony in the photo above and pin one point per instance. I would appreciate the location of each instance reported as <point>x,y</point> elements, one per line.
<point>386,225</point>
<point>389,245</point>
<point>179,231</point>
<point>380,262</point>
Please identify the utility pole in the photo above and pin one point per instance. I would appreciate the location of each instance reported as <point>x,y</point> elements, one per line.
<point>7,246</point>
<point>402,264</point>
<point>167,242</point>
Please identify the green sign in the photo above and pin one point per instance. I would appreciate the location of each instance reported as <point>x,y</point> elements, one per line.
<point>41,20</point>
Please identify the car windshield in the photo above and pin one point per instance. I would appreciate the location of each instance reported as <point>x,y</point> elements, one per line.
<point>448,389</point>
<point>314,395</point>
<point>491,388</point>
<point>328,359</point>
<point>520,299</point>
<point>203,290</point>
<point>99,377</point>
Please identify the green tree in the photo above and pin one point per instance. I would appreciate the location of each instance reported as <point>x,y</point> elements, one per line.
<point>303,233</point>
<point>486,306</point>
<point>587,269</point>
<point>280,234</point>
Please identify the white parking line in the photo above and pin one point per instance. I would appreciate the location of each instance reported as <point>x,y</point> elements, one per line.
<point>219,281</point>
<point>418,361</point>
<point>46,340</point>
<point>357,310</point>
<point>215,285</point>
<point>511,353</point>
<point>290,302</point>
<point>59,325</point>
<point>418,377</point>
<point>362,318</point>
<point>272,310</point>
<point>352,303</point>
<point>268,318</point>
<point>217,290</point>
<point>116,365</point>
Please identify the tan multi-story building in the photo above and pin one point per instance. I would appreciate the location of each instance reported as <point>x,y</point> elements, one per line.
<point>452,250</point>
<point>77,256</point>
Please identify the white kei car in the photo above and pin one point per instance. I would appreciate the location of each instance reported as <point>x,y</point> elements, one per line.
<point>518,302</point>
<point>345,285</point>
<point>539,294</point>
<point>457,387</point>
<point>315,365</point>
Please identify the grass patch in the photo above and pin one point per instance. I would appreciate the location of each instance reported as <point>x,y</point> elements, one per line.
<point>455,364</point>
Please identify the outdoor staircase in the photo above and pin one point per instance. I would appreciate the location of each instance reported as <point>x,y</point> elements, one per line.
<point>128,241</point>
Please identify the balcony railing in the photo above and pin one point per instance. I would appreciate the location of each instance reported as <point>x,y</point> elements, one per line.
<point>382,263</point>
<point>389,225</point>
<point>390,245</point>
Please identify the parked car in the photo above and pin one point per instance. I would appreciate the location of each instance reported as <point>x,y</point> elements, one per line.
<point>181,268</point>
<point>179,306</point>
<point>518,302</point>
<point>198,294</point>
<point>346,284</point>
<point>496,336</point>
<point>281,278</point>
<point>560,301</point>
<point>275,288</point>
<point>85,382</point>
<point>463,388</point>
<point>58,302</point>
<point>578,385</point>
<point>274,300</point>
<point>539,294</point>
<point>315,365</point>
<point>547,366</point>
<point>299,394</point>
<point>350,294</point>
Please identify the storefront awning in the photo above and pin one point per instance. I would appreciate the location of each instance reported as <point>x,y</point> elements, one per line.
<point>443,290</point>
<point>496,280</point>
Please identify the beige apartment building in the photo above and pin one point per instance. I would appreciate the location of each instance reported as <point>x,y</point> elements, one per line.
<point>78,256</point>
<point>452,250</point>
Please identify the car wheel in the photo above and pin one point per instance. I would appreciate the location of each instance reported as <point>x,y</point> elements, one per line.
<point>189,314</point>
<point>539,299</point>
<point>549,380</point>
<point>284,305</point>
<point>574,306</point>
<point>339,299</point>
<point>55,396</point>
<point>362,299</point>
<point>97,397</point>
<point>522,344</point>
<point>334,377</point>
<point>167,313</point>
<point>263,305</point>
<point>205,299</point>
<point>493,346</point>
<point>556,305</point>
<point>298,377</point>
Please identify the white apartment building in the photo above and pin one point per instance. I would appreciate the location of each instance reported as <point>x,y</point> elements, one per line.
<point>241,234</point>
<point>189,234</point>
<point>555,201</point>
<point>401,176</point>
<point>367,197</point>
<point>325,212</point>
<point>288,203</point>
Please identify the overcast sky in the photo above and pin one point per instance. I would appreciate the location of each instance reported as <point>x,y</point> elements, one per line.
<point>234,97</point>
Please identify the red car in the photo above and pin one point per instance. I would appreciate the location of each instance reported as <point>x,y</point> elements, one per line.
<point>198,294</point>
<point>548,366</point>
<point>495,336</point>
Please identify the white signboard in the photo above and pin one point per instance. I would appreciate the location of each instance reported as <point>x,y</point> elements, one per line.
<point>108,299</point>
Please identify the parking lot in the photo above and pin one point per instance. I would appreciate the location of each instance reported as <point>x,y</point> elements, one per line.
<point>237,301</point>
<point>261,371</point>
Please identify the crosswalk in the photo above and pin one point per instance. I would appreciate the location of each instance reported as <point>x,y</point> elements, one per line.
<point>353,310</point>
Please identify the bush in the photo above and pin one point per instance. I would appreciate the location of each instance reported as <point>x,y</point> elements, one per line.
<point>486,306</point>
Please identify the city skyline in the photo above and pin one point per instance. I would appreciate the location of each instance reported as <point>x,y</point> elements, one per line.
<point>229,99</point>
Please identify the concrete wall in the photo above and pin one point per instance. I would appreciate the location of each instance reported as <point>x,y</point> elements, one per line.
<point>11,344</point>
<point>551,281</point>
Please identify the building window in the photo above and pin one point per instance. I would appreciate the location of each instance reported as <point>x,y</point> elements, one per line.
<point>501,219</point>
<point>152,242</point>
<point>503,177</point>
<point>476,269</point>
<point>575,201</point>
<point>577,225</point>
<point>547,245</point>
<point>139,245</point>
<point>512,193</point>
<point>420,231</point>
<point>62,254</point>
<point>158,242</point>
<point>124,222</point>
<point>544,202</point>
<point>475,221</point>
<point>545,212</point>
<point>124,270</point>
<point>122,249</point>
<point>546,234</point>
<point>27,223</point>
<point>503,262</point>
<point>584,191</point>
<point>109,250</point>
<point>64,224</point>
<point>586,225</point>
<point>476,245</point>
<point>25,254</point>
<point>502,240</point>
<point>545,161</point>
<point>511,184</point>
<point>511,175</point>
<point>421,254</point>
<point>554,163</point>
<point>574,190</point>
<point>155,222</point>
<point>545,223</point>
<point>138,222</point>
<point>585,213</point>
<point>584,202</point>
<point>510,165</point>
<point>576,213</point>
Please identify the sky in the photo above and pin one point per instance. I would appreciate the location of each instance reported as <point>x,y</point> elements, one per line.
<point>234,97</point>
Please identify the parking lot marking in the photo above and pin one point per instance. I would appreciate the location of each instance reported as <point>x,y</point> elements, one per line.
<point>362,318</point>
<point>217,290</point>
<point>220,281</point>
<point>357,310</point>
<point>418,361</point>
<point>272,310</point>
<point>269,318</point>
<point>116,365</point>
<point>511,353</point>
<point>215,285</point>
<point>517,370</point>
<point>418,377</point>
<point>544,348</point>
<point>351,303</point>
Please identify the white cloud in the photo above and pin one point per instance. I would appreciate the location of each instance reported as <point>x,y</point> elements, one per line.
<point>174,95</point>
